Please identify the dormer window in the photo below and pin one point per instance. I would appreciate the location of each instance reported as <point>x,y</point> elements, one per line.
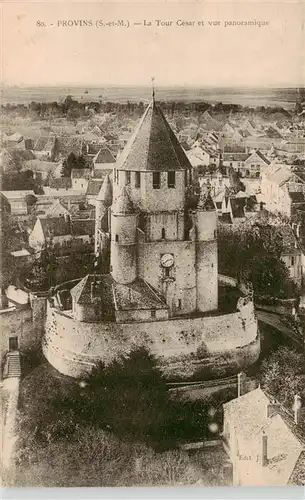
<point>171,179</point>
<point>156,180</point>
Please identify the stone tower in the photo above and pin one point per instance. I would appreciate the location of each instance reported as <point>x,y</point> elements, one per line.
<point>123,257</point>
<point>152,237</point>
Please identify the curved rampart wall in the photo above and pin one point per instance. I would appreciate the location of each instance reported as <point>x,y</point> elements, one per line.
<point>185,347</point>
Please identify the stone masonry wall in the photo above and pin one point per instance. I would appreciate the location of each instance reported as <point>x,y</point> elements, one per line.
<point>183,346</point>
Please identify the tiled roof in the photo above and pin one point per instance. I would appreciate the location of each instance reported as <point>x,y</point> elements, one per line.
<point>235,156</point>
<point>44,143</point>
<point>104,156</point>
<point>80,173</point>
<point>66,144</point>
<point>61,183</point>
<point>80,227</point>
<point>153,146</point>
<point>94,186</point>
<point>280,174</point>
<point>56,210</point>
<point>248,416</point>
<point>55,226</point>
<point>137,295</point>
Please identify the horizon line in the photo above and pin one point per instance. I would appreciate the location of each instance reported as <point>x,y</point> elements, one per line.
<point>132,85</point>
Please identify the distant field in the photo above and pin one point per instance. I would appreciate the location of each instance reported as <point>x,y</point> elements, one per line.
<point>246,97</point>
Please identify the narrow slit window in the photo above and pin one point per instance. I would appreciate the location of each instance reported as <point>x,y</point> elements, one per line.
<point>127,177</point>
<point>116,238</point>
<point>163,233</point>
<point>137,180</point>
<point>156,180</point>
<point>171,179</point>
<point>179,304</point>
<point>153,313</point>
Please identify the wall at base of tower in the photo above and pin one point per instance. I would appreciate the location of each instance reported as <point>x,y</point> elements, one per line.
<point>207,275</point>
<point>185,347</point>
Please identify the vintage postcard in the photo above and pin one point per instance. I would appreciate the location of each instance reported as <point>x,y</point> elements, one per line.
<point>152,244</point>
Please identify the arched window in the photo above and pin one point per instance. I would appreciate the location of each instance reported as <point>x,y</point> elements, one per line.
<point>163,233</point>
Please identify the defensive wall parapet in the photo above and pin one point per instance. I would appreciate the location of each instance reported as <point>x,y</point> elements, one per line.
<point>214,344</point>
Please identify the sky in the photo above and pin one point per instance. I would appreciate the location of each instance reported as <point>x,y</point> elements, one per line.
<point>240,56</point>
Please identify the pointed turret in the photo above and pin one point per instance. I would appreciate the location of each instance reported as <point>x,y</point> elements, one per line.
<point>105,193</point>
<point>205,201</point>
<point>123,204</point>
<point>102,204</point>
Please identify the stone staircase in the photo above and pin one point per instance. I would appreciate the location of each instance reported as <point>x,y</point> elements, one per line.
<point>12,366</point>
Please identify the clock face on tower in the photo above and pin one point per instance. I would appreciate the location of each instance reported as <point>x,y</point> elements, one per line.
<point>167,260</point>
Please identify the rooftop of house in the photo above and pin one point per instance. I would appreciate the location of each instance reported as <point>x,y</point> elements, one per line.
<point>80,173</point>
<point>44,143</point>
<point>279,174</point>
<point>56,210</point>
<point>94,186</point>
<point>17,194</point>
<point>285,442</point>
<point>60,183</point>
<point>134,296</point>
<point>21,253</point>
<point>153,145</point>
<point>235,156</point>
<point>66,144</point>
<point>63,226</point>
<point>104,156</point>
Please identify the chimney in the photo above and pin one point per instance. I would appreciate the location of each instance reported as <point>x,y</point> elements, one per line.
<point>272,409</point>
<point>264,449</point>
<point>241,377</point>
<point>297,408</point>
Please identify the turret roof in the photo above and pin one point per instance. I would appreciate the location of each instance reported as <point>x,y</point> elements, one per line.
<point>123,203</point>
<point>105,193</point>
<point>205,201</point>
<point>153,146</point>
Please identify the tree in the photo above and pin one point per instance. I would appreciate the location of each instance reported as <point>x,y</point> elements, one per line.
<point>93,458</point>
<point>253,253</point>
<point>42,274</point>
<point>74,161</point>
<point>283,375</point>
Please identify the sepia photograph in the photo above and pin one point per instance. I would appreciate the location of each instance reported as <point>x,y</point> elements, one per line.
<point>152,262</point>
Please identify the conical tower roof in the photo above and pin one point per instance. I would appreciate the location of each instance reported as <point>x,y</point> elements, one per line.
<point>123,204</point>
<point>105,193</point>
<point>206,201</point>
<point>153,146</point>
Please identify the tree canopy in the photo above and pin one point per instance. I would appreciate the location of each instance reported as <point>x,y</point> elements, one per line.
<point>283,375</point>
<point>74,161</point>
<point>253,254</point>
